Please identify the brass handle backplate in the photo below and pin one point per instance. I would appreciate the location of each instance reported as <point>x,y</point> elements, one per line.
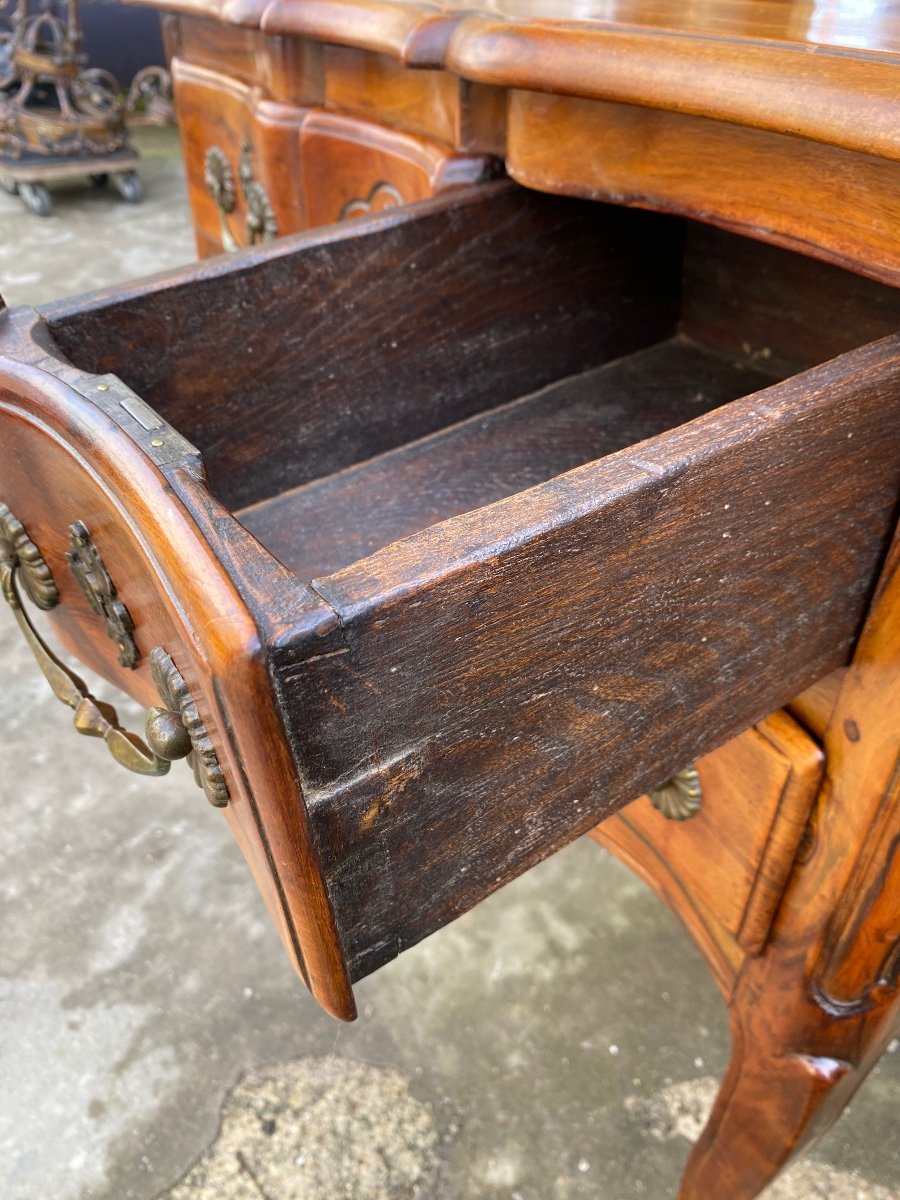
<point>680,797</point>
<point>218,177</point>
<point>173,732</point>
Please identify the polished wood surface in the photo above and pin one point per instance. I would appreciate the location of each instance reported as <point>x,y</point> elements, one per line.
<point>724,870</point>
<point>222,114</point>
<point>424,27</point>
<point>811,1015</point>
<point>689,108</point>
<point>436,104</point>
<point>845,205</point>
<point>176,578</point>
<point>737,74</point>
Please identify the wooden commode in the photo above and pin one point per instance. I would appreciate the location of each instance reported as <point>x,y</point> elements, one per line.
<point>451,517</point>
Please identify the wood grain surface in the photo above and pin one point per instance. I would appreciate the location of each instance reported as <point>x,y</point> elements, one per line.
<point>811,1015</point>
<point>330,523</point>
<point>540,662</point>
<point>725,869</point>
<point>819,199</point>
<point>545,655</point>
<point>222,114</point>
<point>502,293</point>
<point>65,458</point>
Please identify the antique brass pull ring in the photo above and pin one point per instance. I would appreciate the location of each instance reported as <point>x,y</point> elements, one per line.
<point>21,559</point>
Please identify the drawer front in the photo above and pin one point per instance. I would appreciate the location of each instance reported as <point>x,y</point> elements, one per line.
<point>353,167</point>
<point>242,157</point>
<point>719,846</point>
<point>435,104</point>
<point>258,169</point>
<point>99,530</point>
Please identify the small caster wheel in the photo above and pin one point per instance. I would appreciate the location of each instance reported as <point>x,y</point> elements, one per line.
<point>128,185</point>
<point>99,180</point>
<point>9,186</point>
<point>36,198</point>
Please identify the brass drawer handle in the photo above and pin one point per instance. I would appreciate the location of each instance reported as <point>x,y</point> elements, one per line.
<point>167,730</point>
<point>219,180</point>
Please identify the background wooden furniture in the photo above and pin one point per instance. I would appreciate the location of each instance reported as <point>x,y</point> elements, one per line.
<point>694,598</point>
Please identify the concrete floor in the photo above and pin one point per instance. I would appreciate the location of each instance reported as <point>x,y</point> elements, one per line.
<point>560,1042</point>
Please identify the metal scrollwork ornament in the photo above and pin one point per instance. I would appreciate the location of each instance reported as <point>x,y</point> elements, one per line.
<point>174,731</point>
<point>382,196</point>
<point>680,797</point>
<point>177,730</point>
<point>261,225</point>
<point>18,552</point>
<point>21,561</point>
<point>100,592</point>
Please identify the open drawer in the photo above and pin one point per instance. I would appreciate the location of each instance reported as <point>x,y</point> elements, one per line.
<point>447,533</point>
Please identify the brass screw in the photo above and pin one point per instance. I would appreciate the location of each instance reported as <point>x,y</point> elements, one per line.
<point>157,442</point>
<point>102,387</point>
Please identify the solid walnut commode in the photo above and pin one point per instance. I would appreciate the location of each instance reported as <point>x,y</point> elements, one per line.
<point>434,537</point>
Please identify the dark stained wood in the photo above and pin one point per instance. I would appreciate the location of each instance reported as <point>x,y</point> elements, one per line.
<point>592,585</point>
<point>542,661</point>
<point>502,291</point>
<point>779,310</point>
<point>459,703</point>
<point>327,524</point>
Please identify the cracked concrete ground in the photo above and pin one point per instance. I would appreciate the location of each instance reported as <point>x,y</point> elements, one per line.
<point>560,1042</point>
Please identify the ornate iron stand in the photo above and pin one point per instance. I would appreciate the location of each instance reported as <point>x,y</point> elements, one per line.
<point>57,117</point>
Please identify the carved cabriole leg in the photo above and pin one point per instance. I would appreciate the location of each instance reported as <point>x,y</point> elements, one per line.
<point>812,1013</point>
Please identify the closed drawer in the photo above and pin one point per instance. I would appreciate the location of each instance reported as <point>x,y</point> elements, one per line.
<point>718,841</point>
<point>258,169</point>
<point>508,528</point>
<point>352,167</point>
<point>242,158</point>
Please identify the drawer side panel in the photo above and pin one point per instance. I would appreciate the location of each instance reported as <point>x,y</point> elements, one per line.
<point>515,675</point>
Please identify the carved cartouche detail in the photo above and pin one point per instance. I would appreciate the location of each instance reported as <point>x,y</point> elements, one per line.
<point>19,551</point>
<point>680,797</point>
<point>100,592</point>
<point>163,734</point>
<point>382,196</point>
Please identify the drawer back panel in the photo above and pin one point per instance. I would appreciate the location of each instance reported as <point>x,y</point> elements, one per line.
<point>294,361</point>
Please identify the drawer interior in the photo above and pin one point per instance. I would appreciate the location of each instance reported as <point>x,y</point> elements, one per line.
<point>329,523</point>
<point>350,387</point>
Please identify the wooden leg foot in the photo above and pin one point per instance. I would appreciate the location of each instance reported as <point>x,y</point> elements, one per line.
<point>794,1067</point>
